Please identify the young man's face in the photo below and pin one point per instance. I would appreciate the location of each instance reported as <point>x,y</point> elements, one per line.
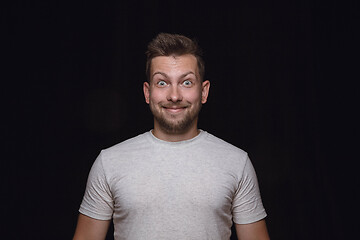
<point>175,93</point>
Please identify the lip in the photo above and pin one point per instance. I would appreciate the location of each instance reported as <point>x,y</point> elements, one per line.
<point>174,109</point>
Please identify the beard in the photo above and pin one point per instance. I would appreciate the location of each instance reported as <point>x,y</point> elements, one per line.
<point>173,124</point>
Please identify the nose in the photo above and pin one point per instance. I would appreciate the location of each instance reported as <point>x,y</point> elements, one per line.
<point>174,94</point>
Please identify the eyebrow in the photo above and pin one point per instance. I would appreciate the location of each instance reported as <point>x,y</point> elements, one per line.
<point>182,75</point>
<point>161,73</point>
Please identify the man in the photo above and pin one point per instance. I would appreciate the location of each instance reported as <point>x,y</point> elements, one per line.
<point>175,181</point>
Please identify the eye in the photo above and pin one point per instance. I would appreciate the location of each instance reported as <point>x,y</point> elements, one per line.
<point>187,83</point>
<point>161,83</point>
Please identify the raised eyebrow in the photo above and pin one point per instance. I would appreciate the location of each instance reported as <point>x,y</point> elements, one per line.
<point>161,73</point>
<point>182,75</point>
<point>185,74</point>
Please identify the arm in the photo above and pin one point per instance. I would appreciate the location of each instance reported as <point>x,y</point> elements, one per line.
<point>252,231</point>
<point>91,229</point>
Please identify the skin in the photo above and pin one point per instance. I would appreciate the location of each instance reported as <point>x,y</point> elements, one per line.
<point>90,229</point>
<point>175,95</point>
<point>252,231</point>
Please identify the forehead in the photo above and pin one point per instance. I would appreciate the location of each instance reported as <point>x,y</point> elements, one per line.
<point>174,64</point>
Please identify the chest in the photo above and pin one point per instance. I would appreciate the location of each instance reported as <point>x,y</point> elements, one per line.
<point>168,184</point>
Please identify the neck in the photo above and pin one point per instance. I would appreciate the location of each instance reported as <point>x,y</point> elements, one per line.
<point>175,137</point>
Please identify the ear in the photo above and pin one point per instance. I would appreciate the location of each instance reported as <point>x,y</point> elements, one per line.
<point>205,91</point>
<point>146,89</point>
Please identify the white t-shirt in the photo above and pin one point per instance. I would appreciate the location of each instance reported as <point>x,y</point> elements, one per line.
<point>153,189</point>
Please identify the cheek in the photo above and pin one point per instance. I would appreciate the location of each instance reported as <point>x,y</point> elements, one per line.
<point>156,96</point>
<point>193,96</point>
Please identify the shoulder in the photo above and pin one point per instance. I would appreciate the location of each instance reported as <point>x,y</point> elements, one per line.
<point>128,147</point>
<point>224,153</point>
<point>219,144</point>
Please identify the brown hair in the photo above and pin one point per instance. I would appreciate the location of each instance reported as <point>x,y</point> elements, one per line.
<point>166,44</point>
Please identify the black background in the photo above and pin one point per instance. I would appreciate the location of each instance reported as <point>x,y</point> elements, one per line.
<point>283,87</point>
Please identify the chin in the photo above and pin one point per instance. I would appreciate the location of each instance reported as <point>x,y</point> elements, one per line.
<point>175,126</point>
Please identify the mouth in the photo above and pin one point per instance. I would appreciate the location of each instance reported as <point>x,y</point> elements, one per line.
<point>174,109</point>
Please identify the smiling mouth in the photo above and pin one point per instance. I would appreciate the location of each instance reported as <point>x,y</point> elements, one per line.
<point>174,109</point>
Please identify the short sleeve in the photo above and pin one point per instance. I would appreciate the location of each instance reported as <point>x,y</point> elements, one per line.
<point>97,201</point>
<point>247,206</point>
